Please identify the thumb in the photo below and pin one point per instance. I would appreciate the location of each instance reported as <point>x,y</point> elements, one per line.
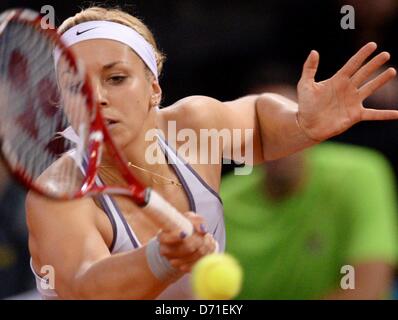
<point>198,222</point>
<point>310,66</point>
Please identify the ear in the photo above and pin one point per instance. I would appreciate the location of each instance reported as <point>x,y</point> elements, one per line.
<point>156,97</point>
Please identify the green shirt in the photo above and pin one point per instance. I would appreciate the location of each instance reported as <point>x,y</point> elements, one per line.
<point>295,249</point>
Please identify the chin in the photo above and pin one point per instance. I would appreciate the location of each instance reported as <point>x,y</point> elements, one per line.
<point>119,138</point>
<point>122,136</point>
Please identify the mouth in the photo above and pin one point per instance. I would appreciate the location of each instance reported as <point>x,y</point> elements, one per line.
<point>110,123</point>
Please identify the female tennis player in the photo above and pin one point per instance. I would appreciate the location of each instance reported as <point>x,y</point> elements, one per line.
<point>106,248</point>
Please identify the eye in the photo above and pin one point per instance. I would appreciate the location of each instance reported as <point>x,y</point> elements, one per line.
<point>116,79</point>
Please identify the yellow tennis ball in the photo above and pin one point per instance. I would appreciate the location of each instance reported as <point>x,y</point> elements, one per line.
<point>217,277</point>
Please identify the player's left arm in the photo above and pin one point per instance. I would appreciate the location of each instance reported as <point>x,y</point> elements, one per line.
<point>324,109</point>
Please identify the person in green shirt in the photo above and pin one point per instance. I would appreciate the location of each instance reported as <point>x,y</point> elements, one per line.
<point>295,225</point>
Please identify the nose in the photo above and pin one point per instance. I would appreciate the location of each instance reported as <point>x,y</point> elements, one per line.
<point>100,95</point>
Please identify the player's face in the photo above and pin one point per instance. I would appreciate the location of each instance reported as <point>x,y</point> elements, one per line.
<point>121,85</point>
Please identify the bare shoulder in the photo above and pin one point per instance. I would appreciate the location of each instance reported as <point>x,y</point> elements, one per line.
<point>58,227</point>
<point>193,112</point>
<point>44,214</point>
<point>67,235</point>
<point>40,208</point>
<point>63,176</point>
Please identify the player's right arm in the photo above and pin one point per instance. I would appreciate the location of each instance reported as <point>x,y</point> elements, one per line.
<point>65,235</point>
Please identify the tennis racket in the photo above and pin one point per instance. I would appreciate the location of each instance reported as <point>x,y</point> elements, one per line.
<point>39,101</point>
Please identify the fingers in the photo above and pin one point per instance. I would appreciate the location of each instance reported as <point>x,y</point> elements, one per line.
<point>370,87</point>
<point>193,245</point>
<point>197,222</point>
<point>186,247</point>
<point>171,238</point>
<point>184,251</point>
<point>368,69</point>
<point>175,237</point>
<point>310,66</point>
<point>373,114</point>
<point>205,248</point>
<point>358,59</point>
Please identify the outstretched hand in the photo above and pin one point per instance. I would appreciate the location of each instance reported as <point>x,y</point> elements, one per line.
<point>330,107</point>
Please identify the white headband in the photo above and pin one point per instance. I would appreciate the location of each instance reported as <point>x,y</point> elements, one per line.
<point>113,31</point>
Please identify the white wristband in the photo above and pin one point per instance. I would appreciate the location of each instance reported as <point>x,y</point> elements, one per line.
<point>159,265</point>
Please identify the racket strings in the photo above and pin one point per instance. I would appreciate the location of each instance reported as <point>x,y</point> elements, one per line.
<point>35,108</point>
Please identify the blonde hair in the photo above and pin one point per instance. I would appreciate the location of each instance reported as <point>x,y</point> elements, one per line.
<point>118,16</point>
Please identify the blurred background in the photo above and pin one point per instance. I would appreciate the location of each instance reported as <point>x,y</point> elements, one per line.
<point>226,49</point>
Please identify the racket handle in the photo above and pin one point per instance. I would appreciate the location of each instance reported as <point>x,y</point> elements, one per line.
<point>165,214</point>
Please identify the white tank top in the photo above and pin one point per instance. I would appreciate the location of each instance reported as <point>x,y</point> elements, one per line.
<point>202,200</point>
